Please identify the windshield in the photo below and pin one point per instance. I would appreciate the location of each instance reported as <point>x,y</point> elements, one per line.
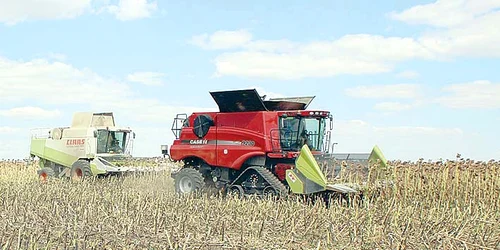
<point>297,131</point>
<point>111,142</point>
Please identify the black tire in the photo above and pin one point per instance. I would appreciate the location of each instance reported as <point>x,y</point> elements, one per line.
<point>45,174</point>
<point>188,180</point>
<point>80,170</point>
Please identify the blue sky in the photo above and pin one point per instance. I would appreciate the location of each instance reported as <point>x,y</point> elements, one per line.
<point>417,78</point>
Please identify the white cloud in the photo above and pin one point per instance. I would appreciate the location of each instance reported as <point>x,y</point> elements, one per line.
<point>30,113</point>
<point>291,66</point>
<point>373,48</point>
<point>276,46</point>
<point>150,110</point>
<point>133,9</point>
<point>283,59</point>
<point>8,130</point>
<point>412,131</point>
<point>400,91</point>
<point>222,39</point>
<point>464,27</point>
<point>263,92</point>
<point>56,83</point>
<point>13,148</point>
<point>406,142</point>
<point>477,38</point>
<point>43,82</point>
<point>477,94</point>
<point>393,106</point>
<point>461,28</point>
<point>408,74</point>
<point>62,84</point>
<point>147,78</point>
<point>16,11</point>
<point>446,13</point>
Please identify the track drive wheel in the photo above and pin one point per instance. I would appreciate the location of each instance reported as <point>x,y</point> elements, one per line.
<point>188,180</point>
<point>270,192</point>
<point>80,170</point>
<point>236,191</point>
<point>45,173</point>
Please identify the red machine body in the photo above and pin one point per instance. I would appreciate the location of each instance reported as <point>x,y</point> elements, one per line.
<point>248,128</point>
<point>234,138</point>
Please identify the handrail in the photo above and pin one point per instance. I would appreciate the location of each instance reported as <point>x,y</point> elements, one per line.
<point>40,133</point>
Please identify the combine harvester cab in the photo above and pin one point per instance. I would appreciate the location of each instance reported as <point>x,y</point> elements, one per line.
<point>253,146</point>
<point>92,146</point>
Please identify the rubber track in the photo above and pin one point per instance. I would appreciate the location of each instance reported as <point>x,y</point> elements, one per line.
<point>270,178</point>
<point>273,180</point>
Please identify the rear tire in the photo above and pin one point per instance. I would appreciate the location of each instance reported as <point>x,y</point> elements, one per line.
<point>45,174</point>
<point>80,170</point>
<point>188,180</point>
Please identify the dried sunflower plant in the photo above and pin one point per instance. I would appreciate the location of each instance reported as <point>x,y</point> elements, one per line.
<point>452,204</point>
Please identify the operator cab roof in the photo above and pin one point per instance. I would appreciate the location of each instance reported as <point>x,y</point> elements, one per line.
<point>248,100</point>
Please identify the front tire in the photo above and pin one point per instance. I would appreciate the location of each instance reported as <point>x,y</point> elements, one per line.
<point>80,170</point>
<point>188,180</point>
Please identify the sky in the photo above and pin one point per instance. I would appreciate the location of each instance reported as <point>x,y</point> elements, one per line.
<point>419,79</point>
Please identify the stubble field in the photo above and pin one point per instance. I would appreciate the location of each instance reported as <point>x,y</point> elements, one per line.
<point>448,205</point>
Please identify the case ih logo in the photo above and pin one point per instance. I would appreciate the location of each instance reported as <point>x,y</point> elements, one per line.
<point>75,142</point>
<point>291,176</point>
<point>198,142</point>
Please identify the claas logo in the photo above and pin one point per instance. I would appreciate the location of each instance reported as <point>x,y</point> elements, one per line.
<point>75,142</point>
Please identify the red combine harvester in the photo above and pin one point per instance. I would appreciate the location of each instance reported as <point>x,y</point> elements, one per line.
<point>256,146</point>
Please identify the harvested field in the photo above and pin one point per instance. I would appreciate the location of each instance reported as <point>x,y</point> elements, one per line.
<point>448,205</point>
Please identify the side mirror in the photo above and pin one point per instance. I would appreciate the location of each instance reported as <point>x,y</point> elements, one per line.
<point>133,135</point>
<point>95,133</point>
<point>164,150</point>
<point>331,122</point>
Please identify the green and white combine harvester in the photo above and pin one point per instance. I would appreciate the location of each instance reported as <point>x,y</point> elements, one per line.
<point>92,146</point>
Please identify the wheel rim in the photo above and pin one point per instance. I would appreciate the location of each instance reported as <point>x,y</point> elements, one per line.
<point>78,174</point>
<point>186,185</point>
<point>43,177</point>
<point>236,191</point>
<point>269,192</point>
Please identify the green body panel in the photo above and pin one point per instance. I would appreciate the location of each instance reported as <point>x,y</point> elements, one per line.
<point>307,165</point>
<point>95,170</point>
<point>376,155</point>
<point>39,149</point>
<point>294,182</point>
